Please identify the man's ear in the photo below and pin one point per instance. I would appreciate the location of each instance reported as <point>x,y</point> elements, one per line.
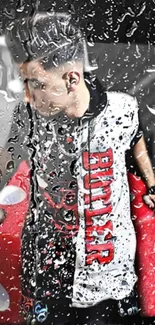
<point>72,80</point>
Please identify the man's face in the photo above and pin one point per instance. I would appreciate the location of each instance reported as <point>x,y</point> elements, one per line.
<point>45,90</point>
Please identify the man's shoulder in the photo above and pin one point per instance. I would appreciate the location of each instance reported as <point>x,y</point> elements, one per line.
<point>120,97</point>
<point>121,103</point>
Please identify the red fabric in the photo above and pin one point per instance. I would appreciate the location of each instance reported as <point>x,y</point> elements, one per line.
<point>10,233</point>
<point>144,222</point>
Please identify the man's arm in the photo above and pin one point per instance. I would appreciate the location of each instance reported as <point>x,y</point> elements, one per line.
<point>145,166</point>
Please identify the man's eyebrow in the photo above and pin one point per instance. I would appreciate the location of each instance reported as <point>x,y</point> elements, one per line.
<point>33,80</point>
<point>26,79</point>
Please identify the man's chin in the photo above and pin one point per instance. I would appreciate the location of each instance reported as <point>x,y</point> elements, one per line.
<point>45,113</point>
<point>54,112</point>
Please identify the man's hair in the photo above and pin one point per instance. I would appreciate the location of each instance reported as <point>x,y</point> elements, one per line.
<point>51,38</point>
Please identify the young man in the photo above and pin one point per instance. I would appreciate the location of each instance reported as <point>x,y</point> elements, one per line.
<point>78,243</point>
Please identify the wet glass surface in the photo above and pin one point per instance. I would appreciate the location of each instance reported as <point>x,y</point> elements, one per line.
<point>42,177</point>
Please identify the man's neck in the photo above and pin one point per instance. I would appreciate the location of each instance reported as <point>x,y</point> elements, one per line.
<point>82,100</point>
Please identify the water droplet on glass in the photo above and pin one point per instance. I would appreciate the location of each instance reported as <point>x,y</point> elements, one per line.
<point>10,14</point>
<point>109,21</point>
<point>90,27</point>
<point>20,9</point>
<point>90,40</point>
<point>143,7</point>
<point>137,54</point>
<point>100,37</point>
<point>106,35</point>
<point>132,29</point>
<point>151,109</point>
<point>91,14</point>
<point>122,17</point>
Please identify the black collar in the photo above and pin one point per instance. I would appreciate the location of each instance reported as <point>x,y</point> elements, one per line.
<point>98,98</point>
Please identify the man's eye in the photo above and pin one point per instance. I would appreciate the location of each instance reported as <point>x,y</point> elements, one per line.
<point>36,84</point>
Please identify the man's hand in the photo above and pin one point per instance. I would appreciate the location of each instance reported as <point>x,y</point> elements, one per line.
<point>2,215</point>
<point>144,162</point>
<point>145,166</point>
<point>149,200</point>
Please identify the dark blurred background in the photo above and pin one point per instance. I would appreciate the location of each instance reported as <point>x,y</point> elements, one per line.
<point>107,21</point>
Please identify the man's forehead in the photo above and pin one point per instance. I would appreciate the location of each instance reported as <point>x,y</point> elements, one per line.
<point>35,69</point>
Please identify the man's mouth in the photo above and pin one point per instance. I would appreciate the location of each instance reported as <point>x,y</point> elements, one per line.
<point>46,111</point>
<point>54,110</point>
